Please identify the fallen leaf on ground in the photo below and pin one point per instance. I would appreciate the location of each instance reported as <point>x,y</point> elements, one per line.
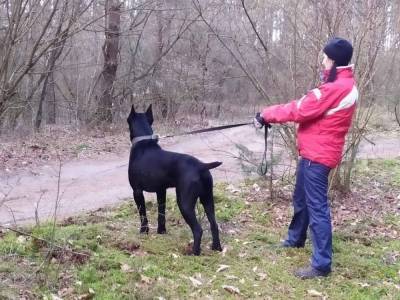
<point>126,268</point>
<point>65,292</point>
<point>231,289</point>
<point>231,188</point>
<point>363,284</point>
<point>195,282</point>
<point>145,279</point>
<point>256,187</point>
<point>314,293</point>
<point>85,296</point>
<point>222,268</point>
<point>21,239</point>
<point>261,276</point>
<point>212,279</point>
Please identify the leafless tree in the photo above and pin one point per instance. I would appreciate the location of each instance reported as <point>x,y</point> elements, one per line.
<point>110,53</point>
<point>70,62</point>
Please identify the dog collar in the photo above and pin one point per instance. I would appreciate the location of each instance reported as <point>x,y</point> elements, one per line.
<point>144,137</point>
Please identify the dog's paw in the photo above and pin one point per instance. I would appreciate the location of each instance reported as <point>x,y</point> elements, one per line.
<point>144,230</point>
<point>216,247</point>
<point>161,231</point>
<point>189,250</point>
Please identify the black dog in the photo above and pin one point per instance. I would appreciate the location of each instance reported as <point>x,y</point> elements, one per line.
<point>152,169</point>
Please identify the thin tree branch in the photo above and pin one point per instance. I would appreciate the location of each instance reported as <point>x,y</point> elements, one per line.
<point>254,28</point>
<point>252,78</point>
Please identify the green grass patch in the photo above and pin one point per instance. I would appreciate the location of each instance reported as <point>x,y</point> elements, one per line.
<point>226,206</point>
<point>126,265</point>
<point>384,171</point>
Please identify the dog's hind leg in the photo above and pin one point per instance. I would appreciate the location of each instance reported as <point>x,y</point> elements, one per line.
<point>141,206</point>
<point>186,205</point>
<point>161,199</point>
<point>208,204</point>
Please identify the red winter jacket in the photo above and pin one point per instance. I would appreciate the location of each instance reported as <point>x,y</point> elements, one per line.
<point>324,115</point>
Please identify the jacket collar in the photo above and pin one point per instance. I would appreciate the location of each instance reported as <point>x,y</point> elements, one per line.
<point>341,72</point>
<point>345,71</point>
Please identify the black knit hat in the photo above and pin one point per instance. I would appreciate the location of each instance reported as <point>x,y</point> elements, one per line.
<point>339,50</point>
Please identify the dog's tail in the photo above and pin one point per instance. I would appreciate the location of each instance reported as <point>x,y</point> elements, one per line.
<point>209,166</point>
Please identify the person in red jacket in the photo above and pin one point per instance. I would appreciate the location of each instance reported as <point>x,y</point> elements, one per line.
<point>324,116</point>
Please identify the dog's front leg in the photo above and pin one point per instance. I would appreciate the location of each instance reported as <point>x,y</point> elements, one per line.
<point>139,199</point>
<point>161,199</point>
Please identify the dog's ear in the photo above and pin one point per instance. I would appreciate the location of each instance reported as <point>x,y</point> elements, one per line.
<point>131,114</point>
<point>132,109</point>
<point>149,115</point>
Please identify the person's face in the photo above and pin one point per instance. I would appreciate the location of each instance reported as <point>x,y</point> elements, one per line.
<point>327,62</point>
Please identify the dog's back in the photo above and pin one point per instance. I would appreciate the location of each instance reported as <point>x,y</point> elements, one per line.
<point>151,168</point>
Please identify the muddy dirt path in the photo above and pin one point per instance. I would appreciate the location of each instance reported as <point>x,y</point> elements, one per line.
<point>93,183</point>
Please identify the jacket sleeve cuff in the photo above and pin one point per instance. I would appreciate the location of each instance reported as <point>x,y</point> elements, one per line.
<point>266,115</point>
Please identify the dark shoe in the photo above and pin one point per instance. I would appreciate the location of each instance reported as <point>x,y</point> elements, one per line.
<point>286,244</point>
<point>310,272</point>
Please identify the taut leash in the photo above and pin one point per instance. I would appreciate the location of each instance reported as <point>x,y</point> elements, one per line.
<point>263,166</point>
<point>207,130</point>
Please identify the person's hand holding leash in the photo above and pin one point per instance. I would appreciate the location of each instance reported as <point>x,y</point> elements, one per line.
<point>258,121</point>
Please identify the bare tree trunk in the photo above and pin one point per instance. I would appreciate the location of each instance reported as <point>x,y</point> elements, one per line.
<point>51,100</point>
<point>110,52</point>
<point>157,83</point>
<point>397,114</point>
<point>48,93</point>
<point>39,114</point>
